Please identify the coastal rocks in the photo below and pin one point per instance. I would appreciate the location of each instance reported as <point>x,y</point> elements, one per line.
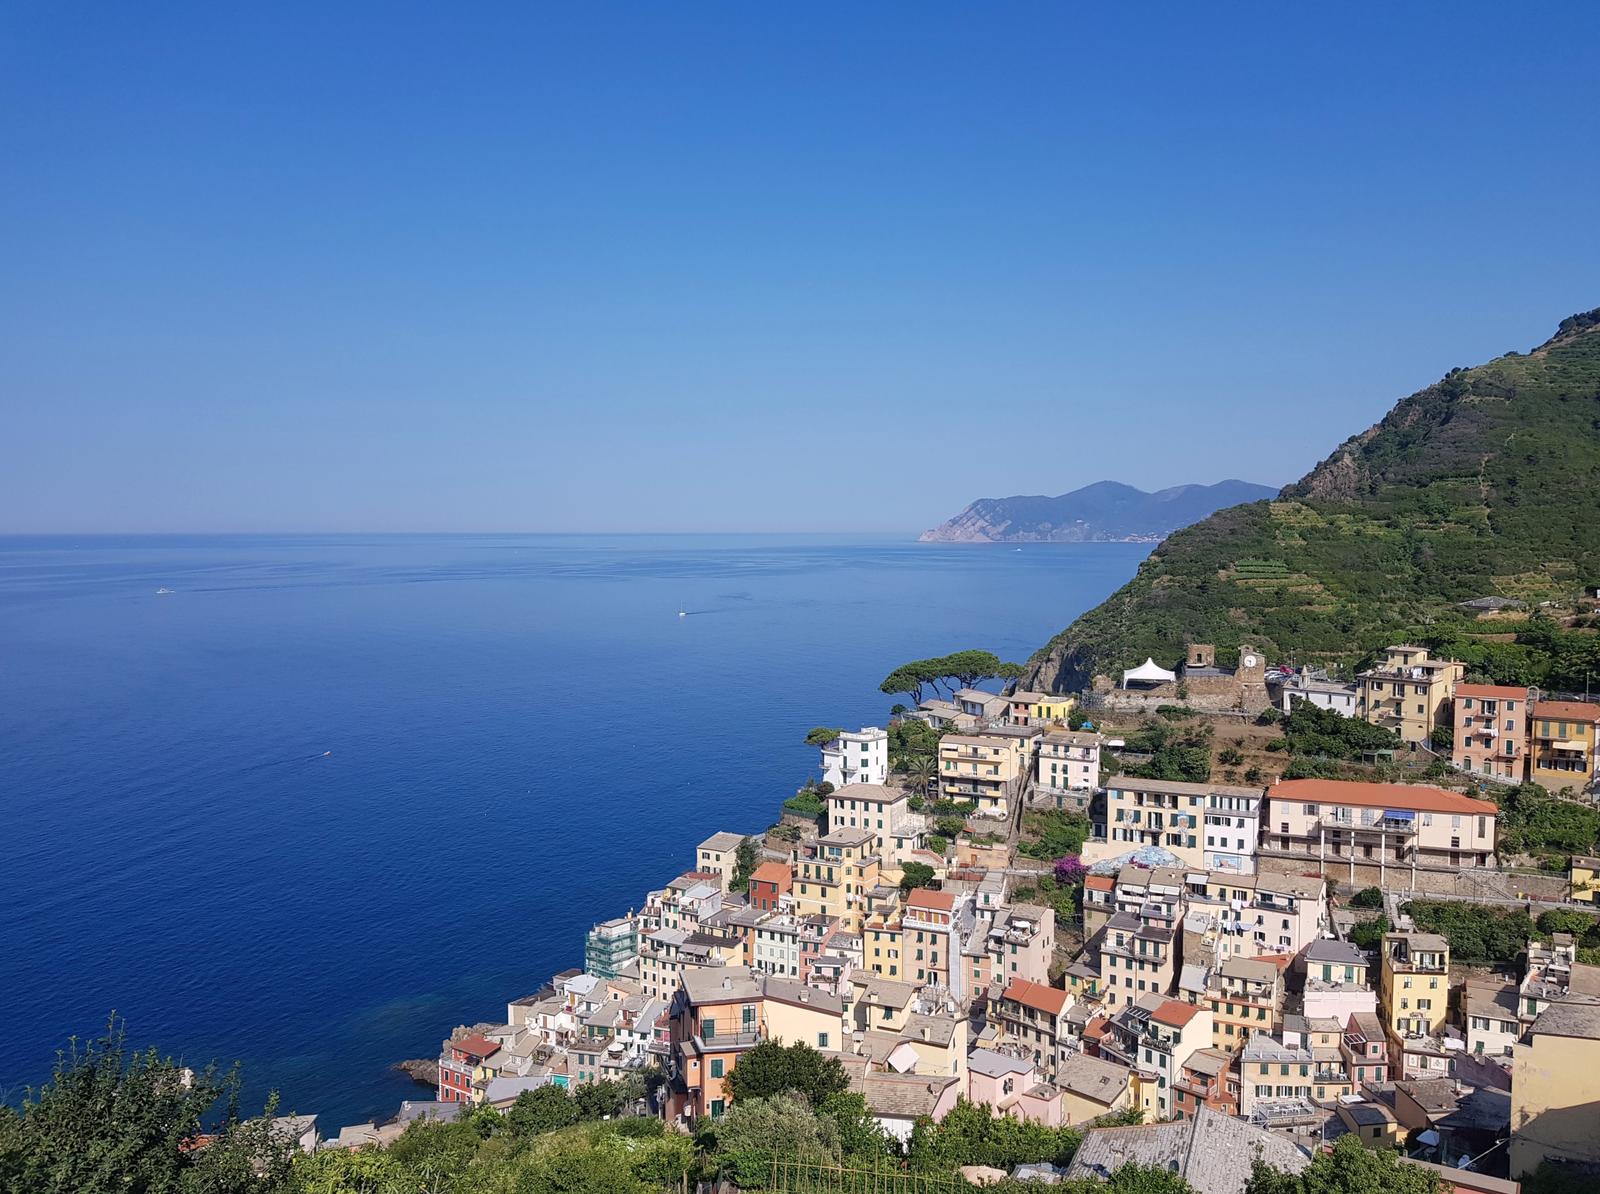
<point>424,1071</point>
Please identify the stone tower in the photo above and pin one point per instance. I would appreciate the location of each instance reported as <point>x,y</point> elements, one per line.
<point>1252,677</point>
<point>1201,655</point>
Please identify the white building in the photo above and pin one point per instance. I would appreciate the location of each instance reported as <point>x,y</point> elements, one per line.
<point>1233,830</point>
<point>1068,762</point>
<point>1320,691</point>
<point>861,757</point>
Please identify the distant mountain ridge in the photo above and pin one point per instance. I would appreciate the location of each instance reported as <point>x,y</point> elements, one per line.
<point>1107,511</point>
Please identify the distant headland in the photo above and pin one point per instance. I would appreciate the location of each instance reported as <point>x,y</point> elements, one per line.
<point>1107,511</point>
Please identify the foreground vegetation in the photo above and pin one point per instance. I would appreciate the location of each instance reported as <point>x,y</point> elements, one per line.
<point>111,1121</point>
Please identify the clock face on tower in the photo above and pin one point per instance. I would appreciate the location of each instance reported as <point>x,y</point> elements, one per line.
<point>1249,661</point>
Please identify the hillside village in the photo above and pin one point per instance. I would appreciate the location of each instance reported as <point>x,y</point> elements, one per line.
<point>987,903</point>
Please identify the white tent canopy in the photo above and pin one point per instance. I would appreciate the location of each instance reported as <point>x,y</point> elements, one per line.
<point>1148,672</point>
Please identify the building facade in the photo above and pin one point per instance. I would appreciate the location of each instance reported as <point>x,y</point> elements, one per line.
<point>1068,767</point>
<point>1562,751</point>
<point>1408,692</point>
<point>610,946</point>
<point>1385,826</point>
<point>985,769</point>
<point>1491,731</point>
<point>857,757</point>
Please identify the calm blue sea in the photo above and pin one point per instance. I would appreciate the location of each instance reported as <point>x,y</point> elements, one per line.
<point>524,738</point>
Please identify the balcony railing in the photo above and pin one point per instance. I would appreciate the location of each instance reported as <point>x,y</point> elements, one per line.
<point>727,1040</point>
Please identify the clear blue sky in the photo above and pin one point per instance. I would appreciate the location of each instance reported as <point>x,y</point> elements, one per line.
<point>780,266</point>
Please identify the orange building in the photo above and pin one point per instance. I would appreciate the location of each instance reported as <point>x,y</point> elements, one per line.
<point>769,882</point>
<point>716,1017</point>
<point>1491,730</point>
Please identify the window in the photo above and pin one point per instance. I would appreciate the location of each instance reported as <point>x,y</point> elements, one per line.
<point>717,1106</point>
<point>822,1040</point>
<point>716,1067</point>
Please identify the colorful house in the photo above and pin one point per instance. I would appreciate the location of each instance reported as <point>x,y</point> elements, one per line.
<point>1562,751</point>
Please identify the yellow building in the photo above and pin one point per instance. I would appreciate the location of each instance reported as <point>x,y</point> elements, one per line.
<point>1408,692</point>
<point>1024,708</point>
<point>833,875</point>
<point>1553,1070</point>
<point>985,769</point>
<point>793,1012</point>
<point>1371,1123</point>
<point>1414,987</point>
<point>1246,997</point>
<point>882,939</point>
<point>1562,751</point>
<point>1585,879</point>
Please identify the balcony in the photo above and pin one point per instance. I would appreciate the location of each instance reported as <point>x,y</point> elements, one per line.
<point>723,1042</point>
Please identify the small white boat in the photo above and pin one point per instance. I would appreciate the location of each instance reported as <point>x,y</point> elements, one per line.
<point>163,592</point>
<point>683,613</point>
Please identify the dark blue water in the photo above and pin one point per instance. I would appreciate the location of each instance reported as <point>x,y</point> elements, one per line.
<point>524,736</point>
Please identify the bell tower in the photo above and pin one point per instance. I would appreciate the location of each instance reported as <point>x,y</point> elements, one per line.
<point>1252,678</point>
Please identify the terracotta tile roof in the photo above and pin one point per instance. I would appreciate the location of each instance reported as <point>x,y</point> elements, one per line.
<point>1397,796</point>
<point>1493,692</point>
<point>1050,1000</point>
<point>476,1046</point>
<point>1567,710</point>
<point>922,897</point>
<point>772,872</point>
<point>1101,882</point>
<point>1175,1013</point>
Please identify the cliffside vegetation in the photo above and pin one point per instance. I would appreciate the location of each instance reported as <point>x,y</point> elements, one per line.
<point>1486,483</point>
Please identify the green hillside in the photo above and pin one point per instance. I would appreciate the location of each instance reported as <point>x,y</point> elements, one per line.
<point>1486,483</point>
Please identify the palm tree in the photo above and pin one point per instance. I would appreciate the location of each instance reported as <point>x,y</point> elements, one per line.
<point>920,770</point>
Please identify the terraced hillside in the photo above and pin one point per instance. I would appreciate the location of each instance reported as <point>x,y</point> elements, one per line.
<point>1485,483</point>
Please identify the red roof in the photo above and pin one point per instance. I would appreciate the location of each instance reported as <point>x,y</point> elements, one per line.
<point>1038,997</point>
<point>1399,796</point>
<point>1175,1013</point>
<point>1281,961</point>
<point>1101,882</point>
<point>475,1046</point>
<point>1095,1029</point>
<point>772,872</point>
<point>1493,692</point>
<point>1567,710</point>
<point>922,897</point>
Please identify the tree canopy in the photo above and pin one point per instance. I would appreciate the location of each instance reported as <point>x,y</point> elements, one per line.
<point>1348,1168</point>
<point>772,1068</point>
<point>915,874</point>
<point>745,860</point>
<point>947,673</point>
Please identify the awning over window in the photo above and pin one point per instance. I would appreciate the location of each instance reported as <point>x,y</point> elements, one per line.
<point>1399,814</point>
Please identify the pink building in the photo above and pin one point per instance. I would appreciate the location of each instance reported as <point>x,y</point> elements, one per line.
<point>1491,730</point>
<point>1012,1086</point>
